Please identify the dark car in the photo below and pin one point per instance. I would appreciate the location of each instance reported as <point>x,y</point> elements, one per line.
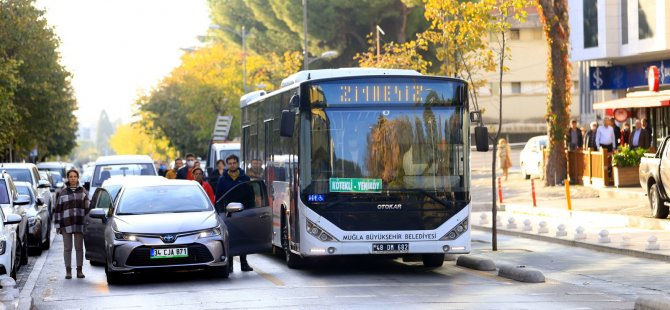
<point>156,223</point>
<point>26,172</point>
<point>55,166</point>
<point>39,228</point>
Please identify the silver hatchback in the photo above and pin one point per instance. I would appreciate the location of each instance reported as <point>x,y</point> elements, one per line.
<point>159,223</point>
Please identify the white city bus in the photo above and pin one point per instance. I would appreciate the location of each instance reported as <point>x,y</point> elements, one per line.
<point>363,161</point>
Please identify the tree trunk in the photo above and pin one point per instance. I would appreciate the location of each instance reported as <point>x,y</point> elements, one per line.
<point>402,27</point>
<point>554,16</point>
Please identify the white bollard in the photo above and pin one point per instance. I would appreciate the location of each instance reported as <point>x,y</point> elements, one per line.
<point>604,236</point>
<point>580,235</point>
<point>543,228</point>
<point>652,244</point>
<point>625,240</point>
<point>483,219</point>
<point>527,225</point>
<point>511,223</point>
<point>560,232</point>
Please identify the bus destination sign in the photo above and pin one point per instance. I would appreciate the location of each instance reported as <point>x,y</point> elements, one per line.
<point>355,185</point>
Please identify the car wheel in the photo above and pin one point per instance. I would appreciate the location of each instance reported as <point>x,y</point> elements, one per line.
<point>47,244</point>
<point>293,261</point>
<point>433,260</point>
<point>113,277</point>
<point>658,209</point>
<point>523,172</point>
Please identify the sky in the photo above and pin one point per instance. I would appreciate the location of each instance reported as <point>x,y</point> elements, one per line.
<point>117,50</point>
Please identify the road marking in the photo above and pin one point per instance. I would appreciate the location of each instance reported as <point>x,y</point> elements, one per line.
<point>269,277</point>
<point>301,297</point>
<point>355,296</point>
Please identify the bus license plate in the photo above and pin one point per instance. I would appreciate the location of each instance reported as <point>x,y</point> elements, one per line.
<point>390,247</point>
<point>169,253</point>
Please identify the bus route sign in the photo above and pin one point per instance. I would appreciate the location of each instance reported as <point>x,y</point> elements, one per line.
<point>355,185</point>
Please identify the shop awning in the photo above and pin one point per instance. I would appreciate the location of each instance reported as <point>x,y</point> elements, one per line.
<point>635,102</point>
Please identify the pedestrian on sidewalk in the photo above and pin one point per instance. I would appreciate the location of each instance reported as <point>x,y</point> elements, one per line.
<point>504,156</point>
<point>71,209</point>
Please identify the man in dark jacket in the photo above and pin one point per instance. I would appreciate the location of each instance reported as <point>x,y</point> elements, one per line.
<point>591,137</point>
<point>617,133</point>
<point>232,176</point>
<point>185,172</point>
<point>639,137</point>
<point>574,138</point>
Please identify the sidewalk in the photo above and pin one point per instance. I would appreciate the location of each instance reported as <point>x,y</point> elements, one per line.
<point>618,222</point>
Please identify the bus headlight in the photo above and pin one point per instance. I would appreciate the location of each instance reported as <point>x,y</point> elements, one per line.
<point>457,231</point>
<point>319,232</point>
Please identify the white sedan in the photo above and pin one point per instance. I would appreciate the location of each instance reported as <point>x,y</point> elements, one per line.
<point>531,157</point>
<point>8,249</point>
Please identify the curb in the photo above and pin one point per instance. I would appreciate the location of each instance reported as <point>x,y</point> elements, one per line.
<point>652,303</point>
<point>25,300</point>
<point>477,263</point>
<point>617,193</point>
<point>521,273</point>
<point>590,246</point>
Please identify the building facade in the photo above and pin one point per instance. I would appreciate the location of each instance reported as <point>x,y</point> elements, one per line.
<point>617,44</point>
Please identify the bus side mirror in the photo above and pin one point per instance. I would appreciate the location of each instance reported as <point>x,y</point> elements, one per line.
<point>287,123</point>
<point>482,139</point>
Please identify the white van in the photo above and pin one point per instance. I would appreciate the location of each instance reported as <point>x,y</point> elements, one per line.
<point>221,151</point>
<point>119,165</point>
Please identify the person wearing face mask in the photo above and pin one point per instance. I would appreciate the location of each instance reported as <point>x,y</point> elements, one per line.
<point>186,173</point>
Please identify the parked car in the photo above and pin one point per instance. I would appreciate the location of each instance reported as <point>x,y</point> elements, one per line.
<point>27,172</point>
<point>156,223</point>
<point>531,157</point>
<point>39,220</point>
<point>119,165</point>
<point>654,175</point>
<point>15,232</point>
<point>9,261</point>
<point>56,166</point>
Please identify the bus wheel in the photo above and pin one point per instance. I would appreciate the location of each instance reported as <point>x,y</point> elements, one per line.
<point>293,261</point>
<point>433,260</point>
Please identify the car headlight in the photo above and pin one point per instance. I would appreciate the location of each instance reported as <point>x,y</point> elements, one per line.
<point>210,233</point>
<point>124,236</point>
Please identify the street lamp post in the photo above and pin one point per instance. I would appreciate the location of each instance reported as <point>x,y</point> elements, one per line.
<point>243,34</point>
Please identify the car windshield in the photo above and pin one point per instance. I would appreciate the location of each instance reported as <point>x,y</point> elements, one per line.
<point>4,196</point>
<point>24,190</point>
<point>22,175</point>
<point>104,172</point>
<point>414,148</point>
<point>163,199</point>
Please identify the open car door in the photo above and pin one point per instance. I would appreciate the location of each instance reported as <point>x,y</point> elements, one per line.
<point>250,229</point>
<point>94,229</point>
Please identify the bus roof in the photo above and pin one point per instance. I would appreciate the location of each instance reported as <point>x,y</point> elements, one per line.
<point>312,75</point>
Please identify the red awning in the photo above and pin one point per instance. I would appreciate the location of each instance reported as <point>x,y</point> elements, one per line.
<point>635,102</point>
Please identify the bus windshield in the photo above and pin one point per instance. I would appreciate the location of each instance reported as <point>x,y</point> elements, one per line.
<point>375,149</point>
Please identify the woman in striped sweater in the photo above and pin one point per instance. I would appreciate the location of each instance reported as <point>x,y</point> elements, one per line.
<point>71,208</point>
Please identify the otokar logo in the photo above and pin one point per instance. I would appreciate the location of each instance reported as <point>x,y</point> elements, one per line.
<point>389,206</point>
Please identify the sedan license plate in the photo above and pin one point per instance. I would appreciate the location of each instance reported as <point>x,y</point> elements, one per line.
<point>390,248</point>
<point>169,253</point>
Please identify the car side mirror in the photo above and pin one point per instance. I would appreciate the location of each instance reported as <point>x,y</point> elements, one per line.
<point>98,214</point>
<point>43,184</point>
<point>482,138</point>
<point>22,200</point>
<point>40,202</point>
<point>13,219</point>
<point>234,207</point>
<point>287,123</point>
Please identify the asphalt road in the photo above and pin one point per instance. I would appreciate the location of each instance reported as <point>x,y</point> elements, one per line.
<point>576,279</point>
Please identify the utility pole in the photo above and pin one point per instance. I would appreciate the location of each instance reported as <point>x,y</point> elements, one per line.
<point>305,55</point>
<point>379,29</point>
<point>244,59</point>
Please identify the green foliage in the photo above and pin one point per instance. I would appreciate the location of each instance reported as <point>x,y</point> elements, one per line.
<point>625,157</point>
<point>35,90</point>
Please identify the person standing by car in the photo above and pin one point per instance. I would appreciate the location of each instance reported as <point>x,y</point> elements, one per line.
<point>199,176</point>
<point>504,156</point>
<point>231,177</point>
<point>574,137</point>
<point>71,210</point>
<point>172,173</point>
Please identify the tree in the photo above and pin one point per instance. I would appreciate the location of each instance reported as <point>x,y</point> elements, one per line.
<point>38,86</point>
<point>132,139</point>
<point>554,17</point>
<point>277,25</point>
<point>104,131</point>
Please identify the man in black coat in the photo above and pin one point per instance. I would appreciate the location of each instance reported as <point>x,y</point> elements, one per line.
<point>232,176</point>
<point>574,138</point>
<point>617,133</point>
